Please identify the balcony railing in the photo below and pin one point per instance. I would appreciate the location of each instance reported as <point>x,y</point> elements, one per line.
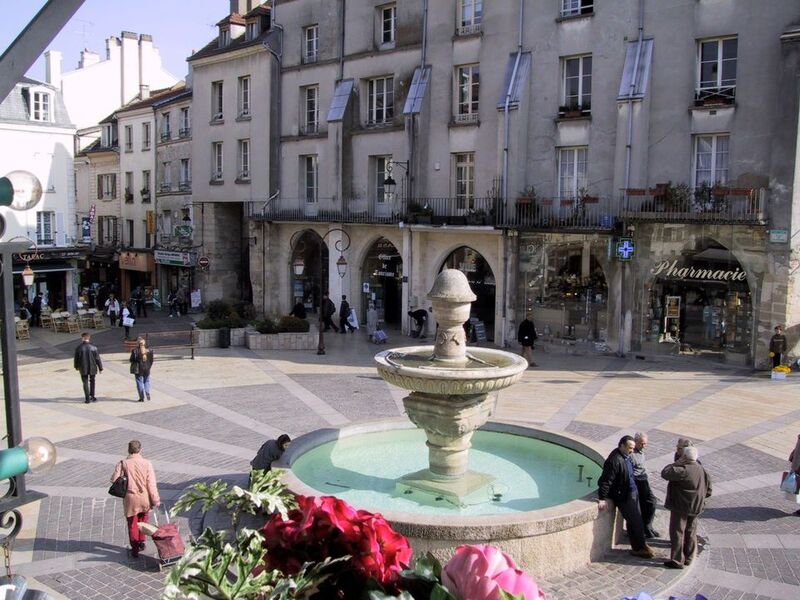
<point>309,129</point>
<point>566,213</point>
<point>166,136</point>
<point>185,186</point>
<point>468,29</point>
<point>706,96</point>
<point>469,117</point>
<point>310,58</point>
<point>185,132</point>
<point>165,186</point>
<point>701,205</point>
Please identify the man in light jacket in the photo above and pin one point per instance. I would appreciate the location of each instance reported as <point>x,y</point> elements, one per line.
<point>689,486</point>
<point>142,493</point>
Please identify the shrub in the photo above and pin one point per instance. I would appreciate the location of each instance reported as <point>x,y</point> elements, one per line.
<point>266,326</point>
<point>218,310</point>
<point>291,324</point>
<point>245,310</point>
<point>233,322</point>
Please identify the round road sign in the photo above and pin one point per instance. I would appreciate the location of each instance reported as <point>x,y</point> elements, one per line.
<point>203,262</point>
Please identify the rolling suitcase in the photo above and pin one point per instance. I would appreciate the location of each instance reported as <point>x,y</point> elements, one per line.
<point>167,539</point>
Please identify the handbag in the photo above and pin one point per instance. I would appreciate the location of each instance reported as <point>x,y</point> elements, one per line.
<point>134,368</point>
<point>127,322</point>
<point>790,483</point>
<point>119,488</point>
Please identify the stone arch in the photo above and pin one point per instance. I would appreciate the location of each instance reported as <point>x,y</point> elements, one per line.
<point>483,282</point>
<point>307,244</point>
<point>381,267</point>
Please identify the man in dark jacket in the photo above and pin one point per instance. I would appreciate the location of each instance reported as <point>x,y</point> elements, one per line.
<point>36,311</point>
<point>270,451</point>
<point>420,317</point>
<point>777,346</point>
<point>618,485</point>
<point>344,314</point>
<point>328,310</point>
<point>526,336</point>
<point>689,486</point>
<point>87,362</point>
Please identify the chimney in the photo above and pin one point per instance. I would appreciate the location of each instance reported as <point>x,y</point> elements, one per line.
<point>241,7</point>
<point>52,60</point>
<point>144,91</point>
<point>88,58</point>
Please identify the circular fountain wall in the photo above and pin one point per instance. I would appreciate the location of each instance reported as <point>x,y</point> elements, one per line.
<point>539,507</point>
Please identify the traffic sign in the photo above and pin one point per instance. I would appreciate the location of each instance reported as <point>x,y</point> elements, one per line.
<point>203,262</point>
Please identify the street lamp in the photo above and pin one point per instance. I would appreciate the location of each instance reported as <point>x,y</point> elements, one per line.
<point>389,184</point>
<point>27,276</point>
<point>298,265</point>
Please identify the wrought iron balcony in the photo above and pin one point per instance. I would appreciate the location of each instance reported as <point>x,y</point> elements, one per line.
<point>714,96</point>
<point>682,204</point>
<point>565,213</point>
<point>185,132</point>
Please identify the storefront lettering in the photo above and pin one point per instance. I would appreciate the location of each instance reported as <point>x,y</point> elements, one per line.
<point>673,271</point>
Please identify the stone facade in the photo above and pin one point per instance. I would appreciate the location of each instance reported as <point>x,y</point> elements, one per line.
<point>282,341</point>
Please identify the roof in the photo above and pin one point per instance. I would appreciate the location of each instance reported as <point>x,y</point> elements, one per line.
<point>233,18</point>
<point>212,48</point>
<point>17,105</point>
<point>155,97</point>
<point>262,9</point>
<point>176,97</point>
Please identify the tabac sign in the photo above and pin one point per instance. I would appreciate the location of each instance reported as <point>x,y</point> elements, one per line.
<point>671,270</point>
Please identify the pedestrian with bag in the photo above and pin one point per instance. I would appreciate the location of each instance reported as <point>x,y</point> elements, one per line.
<point>689,486</point>
<point>344,316</point>
<point>794,470</point>
<point>141,494</point>
<point>777,346</point>
<point>141,362</point>
<point>526,336</point>
<point>328,310</point>
<point>127,319</point>
<point>87,362</point>
<point>112,309</point>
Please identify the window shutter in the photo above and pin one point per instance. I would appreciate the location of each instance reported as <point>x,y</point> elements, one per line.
<point>114,185</point>
<point>61,230</point>
<point>99,187</point>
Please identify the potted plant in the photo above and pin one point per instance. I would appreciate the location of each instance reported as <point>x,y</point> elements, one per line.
<point>476,217</point>
<point>571,111</point>
<point>676,198</point>
<point>527,206</point>
<point>420,213</point>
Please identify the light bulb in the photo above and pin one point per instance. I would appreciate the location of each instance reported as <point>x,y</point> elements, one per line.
<point>41,454</point>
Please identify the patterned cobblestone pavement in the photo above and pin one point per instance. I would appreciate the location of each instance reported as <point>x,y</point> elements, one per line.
<point>208,417</point>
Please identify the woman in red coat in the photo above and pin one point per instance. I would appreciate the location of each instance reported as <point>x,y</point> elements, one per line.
<point>142,493</point>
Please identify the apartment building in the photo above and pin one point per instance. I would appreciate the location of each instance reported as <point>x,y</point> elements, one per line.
<point>624,170</point>
<point>37,139</point>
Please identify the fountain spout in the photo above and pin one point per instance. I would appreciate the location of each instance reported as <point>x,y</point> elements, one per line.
<point>451,298</point>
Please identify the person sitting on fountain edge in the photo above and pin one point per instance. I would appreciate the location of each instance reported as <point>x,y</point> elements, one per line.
<point>270,451</point>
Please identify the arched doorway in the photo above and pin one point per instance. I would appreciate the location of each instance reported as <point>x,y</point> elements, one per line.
<point>481,280</point>
<point>571,297</point>
<point>313,252</point>
<point>383,282</point>
<point>702,298</point>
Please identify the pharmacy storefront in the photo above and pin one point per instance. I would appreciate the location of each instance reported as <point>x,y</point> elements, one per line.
<point>175,272</point>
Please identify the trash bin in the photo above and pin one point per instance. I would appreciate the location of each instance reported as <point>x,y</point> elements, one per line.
<point>224,337</point>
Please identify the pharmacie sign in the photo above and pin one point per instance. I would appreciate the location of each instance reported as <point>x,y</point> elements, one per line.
<point>671,270</point>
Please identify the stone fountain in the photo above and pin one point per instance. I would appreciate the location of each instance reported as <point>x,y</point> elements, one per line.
<point>453,393</point>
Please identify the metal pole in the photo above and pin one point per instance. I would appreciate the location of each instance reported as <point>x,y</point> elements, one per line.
<point>321,341</point>
<point>8,343</point>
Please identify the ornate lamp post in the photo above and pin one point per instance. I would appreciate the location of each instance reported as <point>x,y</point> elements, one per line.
<point>298,266</point>
<point>389,184</point>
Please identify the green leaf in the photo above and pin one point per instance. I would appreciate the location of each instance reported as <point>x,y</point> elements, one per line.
<point>504,595</point>
<point>439,592</point>
<point>425,567</point>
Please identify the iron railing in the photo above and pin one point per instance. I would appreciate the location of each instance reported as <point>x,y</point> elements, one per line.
<point>567,213</point>
<point>701,205</point>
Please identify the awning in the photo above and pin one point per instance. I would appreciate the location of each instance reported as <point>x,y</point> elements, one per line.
<point>52,267</point>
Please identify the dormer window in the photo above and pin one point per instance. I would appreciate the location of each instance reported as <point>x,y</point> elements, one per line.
<point>224,37</point>
<point>107,136</point>
<point>252,30</point>
<point>40,106</point>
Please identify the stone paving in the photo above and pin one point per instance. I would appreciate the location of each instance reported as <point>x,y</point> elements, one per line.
<point>209,415</point>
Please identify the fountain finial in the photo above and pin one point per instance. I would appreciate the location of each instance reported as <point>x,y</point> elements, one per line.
<point>451,297</point>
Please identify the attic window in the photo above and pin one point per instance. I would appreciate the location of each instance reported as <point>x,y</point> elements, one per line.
<point>253,30</point>
<point>40,106</point>
<point>224,37</point>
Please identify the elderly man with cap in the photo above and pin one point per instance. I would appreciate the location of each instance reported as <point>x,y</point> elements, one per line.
<point>689,486</point>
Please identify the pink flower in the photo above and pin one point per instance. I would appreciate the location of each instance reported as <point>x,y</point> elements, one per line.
<point>479,573</point>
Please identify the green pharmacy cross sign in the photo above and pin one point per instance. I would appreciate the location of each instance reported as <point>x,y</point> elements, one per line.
<point>626,249</point>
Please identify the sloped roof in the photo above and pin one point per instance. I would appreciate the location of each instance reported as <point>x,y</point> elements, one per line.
<point>262,9</point>
<point>212,48</point>
<point>16,106</point>
<point>233,18</point>
<point>155,97</point>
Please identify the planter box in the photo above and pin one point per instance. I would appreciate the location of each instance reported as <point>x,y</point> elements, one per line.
<point>282,341</point>
<point>238,336</point>
<point>206,338</point>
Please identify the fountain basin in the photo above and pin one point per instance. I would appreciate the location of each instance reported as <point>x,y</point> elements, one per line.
<point>563,534</point>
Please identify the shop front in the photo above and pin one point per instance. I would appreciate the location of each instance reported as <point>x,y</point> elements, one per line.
<point>382,282</point>
<point>482,281</point>
<point>699,303</point>
<point>55,277</point>
<point>175,272</point>
<point>136,269</point>
<point>311,253</point>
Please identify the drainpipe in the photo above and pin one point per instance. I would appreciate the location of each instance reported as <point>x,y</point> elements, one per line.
<point>506,135</point>
<point>276,86</point>
<point>412,134</point>
<point>341,39</point>
<point>627,178</point>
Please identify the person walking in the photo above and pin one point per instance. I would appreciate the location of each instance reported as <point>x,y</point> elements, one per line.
<point>526,336</point>
<point>372,319</point>
<point>87,362</point>
<point>138,299</point>
<point>112,309</point>
<point>172,302</point>
<point>618,485</point>
<point>141,362</point>
<point>794,458</point>
<point>36,310</point>
<point>689,486</point>
<point>777,346</point>
<point>142,493</point>
<point>127,319</point>
<point>647,499</point>
<point>344,315</point>
<point>328,310</point>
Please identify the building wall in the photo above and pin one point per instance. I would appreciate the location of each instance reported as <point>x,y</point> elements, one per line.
<point>136,160</point>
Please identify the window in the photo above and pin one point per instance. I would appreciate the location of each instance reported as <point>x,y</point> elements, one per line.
<point>186,175</point>
<point>465,180</point>
<point>216,161</point>
<point>166,176</point>
<point>244,159</point>
<point>716,76</point>
<point>244,96</point>
<point>309,166</point>
<point>388,24</point>
<point>310,109</point>
<point>129,228</point>
<point>108,136</point>
<point>468,92</point>
<point>571,171</point>
<point>186,123</point>
<point>145,136</point>
<point>252,30</point>
<point>381,164</point>
<point>45,228</point>
<point>129,186</point>
<point>107,186</point>
<point>381,100</point>
<point>166,130</point>
<point>148,239</point>
<point>711,160</point>
<point>470,14</point>
<point>310,44</point>
<point>128,138</point>
<point>571,8</point>
<point>145,186</point>
<point>216,101</point>
<point>107,230</point>
<point>577,78</point>
<point>40,110</point>
<point>224,37</point>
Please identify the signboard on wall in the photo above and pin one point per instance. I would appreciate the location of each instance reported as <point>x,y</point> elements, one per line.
<point>134,261</point>
<point>175,259</point>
